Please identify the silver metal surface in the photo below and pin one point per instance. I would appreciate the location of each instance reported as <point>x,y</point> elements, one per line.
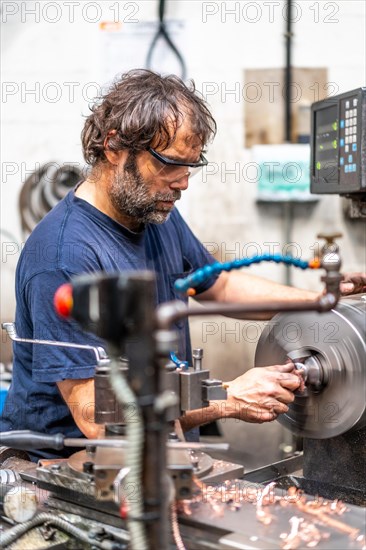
<point>332,347</point>
<point>8,476</point>
<point>232,515</point>
<point>197,355</point>
<point>222,471</point>
<point>191,389</point>
<point>213,390</point>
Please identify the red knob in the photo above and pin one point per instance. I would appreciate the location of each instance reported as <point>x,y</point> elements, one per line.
<point>63,301</point>
<point>123,510</point>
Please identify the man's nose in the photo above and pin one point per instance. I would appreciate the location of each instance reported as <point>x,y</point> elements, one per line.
<point>181,183</point>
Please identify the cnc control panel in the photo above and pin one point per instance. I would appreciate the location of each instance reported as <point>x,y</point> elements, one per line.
<point>338,137</point>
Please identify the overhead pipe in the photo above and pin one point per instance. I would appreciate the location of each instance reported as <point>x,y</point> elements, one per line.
<point>288,72</point>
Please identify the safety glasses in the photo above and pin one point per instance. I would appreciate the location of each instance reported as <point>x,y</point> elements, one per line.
<point>175,168</point>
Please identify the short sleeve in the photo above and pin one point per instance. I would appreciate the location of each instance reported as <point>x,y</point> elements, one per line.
<point>56,363</point>
<point>194,253</point>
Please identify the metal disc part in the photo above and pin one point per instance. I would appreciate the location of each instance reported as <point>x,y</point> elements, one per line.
<point>330,347</point>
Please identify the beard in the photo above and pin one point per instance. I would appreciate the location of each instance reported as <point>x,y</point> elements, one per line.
<point>130,195</point>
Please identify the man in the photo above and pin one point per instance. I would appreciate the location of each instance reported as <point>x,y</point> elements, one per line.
<point>142,141</point>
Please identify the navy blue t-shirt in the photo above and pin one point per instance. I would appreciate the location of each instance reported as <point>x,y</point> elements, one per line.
<point>76,238</point>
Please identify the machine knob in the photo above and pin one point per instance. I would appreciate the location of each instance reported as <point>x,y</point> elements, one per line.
<point>329,237</point>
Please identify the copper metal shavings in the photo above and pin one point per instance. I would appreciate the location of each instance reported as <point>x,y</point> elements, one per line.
<point>304,531</point>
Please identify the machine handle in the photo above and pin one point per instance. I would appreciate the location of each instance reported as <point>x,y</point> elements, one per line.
<point>28,440</point>
<point>99,352</point>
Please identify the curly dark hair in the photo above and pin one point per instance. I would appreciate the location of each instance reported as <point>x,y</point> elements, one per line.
<point>143,107</point>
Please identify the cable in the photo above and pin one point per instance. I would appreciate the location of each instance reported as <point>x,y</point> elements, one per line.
<point>187,284</point>
<point>175,527</point>
<point>162,32</point>
<point>43,189</point>
<point>135,438</point>
<point>8,537</point>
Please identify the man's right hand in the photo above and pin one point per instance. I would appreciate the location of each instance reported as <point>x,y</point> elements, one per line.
<point>262,393</point>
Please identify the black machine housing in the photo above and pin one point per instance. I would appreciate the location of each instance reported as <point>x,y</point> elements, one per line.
<point>338,145</point>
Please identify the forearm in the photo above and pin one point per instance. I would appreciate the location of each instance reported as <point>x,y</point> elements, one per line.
<point>239,287</point>
<point>199,417</point>
<point>79,397</point>
<point>254,289</point>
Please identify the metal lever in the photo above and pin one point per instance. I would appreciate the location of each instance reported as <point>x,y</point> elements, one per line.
<point>28,439</point>
<point>180,364</point>
<point>100,353</point>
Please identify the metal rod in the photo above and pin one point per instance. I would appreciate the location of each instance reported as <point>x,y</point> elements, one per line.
<point>99,352</point>
<point>123,443</point>
<point>171,312</point>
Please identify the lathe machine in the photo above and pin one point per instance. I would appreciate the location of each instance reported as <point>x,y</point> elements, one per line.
<point>142,486</point>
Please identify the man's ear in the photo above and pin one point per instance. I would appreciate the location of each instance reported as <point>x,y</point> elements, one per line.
<point>114,157</point>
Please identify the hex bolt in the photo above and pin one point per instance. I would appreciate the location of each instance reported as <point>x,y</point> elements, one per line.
<point>88,467</point>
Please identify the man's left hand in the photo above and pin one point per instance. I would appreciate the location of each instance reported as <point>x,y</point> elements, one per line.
<point>353,283</point>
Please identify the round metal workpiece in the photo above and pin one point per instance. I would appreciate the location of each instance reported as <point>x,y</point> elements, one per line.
<point>20,503</point>
<point>6,454</point>
<point>331,347</point>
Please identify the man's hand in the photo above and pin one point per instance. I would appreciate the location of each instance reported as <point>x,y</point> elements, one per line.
<point>261,394</point>
<point>353,283</point>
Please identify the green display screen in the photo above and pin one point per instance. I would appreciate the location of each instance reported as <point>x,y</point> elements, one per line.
<point>326,144</point>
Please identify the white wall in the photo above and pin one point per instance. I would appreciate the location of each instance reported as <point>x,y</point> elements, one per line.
<point>218,47</point>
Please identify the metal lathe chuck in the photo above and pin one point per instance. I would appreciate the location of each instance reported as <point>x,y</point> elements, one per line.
<point>331,349</point>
